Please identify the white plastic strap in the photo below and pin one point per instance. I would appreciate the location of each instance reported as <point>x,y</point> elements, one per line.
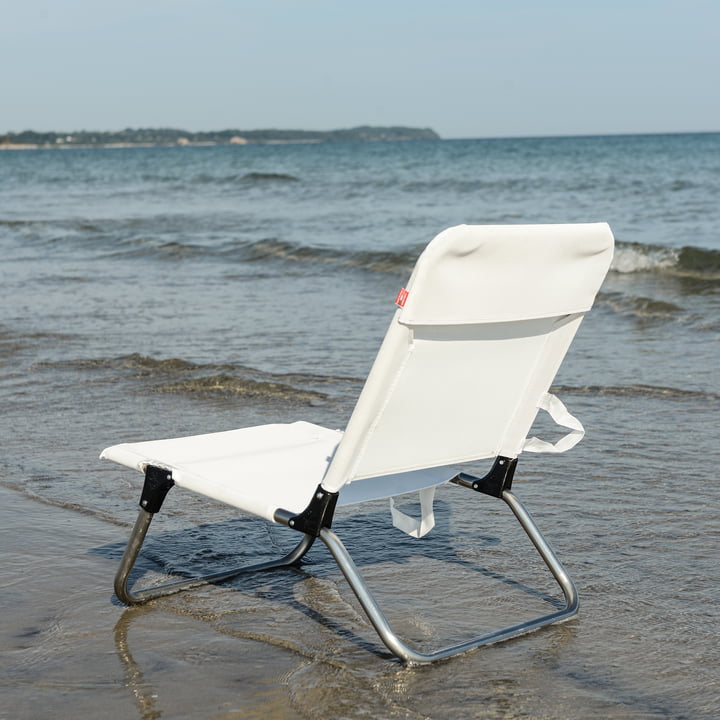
<point>559,413</point>
<point>412,526</point>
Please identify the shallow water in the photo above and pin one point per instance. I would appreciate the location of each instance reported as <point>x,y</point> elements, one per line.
<point>159,292</point>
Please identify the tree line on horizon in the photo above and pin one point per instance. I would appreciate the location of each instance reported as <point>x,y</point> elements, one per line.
<point>171,136</point>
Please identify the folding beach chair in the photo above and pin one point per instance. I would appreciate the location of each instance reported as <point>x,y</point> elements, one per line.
<point>479,334</point>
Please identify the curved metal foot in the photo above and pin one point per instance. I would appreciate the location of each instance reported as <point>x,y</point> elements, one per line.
<point>137,537</point>
<point>414,657</point>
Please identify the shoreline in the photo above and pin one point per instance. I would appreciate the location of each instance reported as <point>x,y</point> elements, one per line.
<point>172,137</point>
<point>111,146</point>
<point>181,142</point>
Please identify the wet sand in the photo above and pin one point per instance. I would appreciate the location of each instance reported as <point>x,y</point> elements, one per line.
<point>293,644</point>
<point>68,649</point>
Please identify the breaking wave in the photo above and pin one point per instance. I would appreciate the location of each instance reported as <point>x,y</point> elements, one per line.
<point>688,262</point>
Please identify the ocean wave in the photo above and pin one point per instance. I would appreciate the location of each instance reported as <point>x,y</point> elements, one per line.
<point>10,345</point>
<point>135,362</point>
<point>269,177</point>
<point>227,384</point>
<point>245,178</point>
<point>206,178</point>
<point>269,250</point>
<point>692,263</point>
<point>384,261</point>
<point>16,223</point>
<point>461,186</point>
<point>178,237</point>
<point>176,375</point>
<point>643,308</point>
<point>163,249</point>
<point>638,390</point>
<point>688,263</point>
<point>635,257</point>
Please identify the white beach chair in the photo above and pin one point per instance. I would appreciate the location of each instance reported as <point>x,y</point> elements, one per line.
<point>479,334</point>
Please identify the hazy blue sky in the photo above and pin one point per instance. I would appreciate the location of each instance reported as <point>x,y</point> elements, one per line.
<point>467,68</point>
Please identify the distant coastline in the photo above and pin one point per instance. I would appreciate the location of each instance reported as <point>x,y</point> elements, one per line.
<point>169,137</point>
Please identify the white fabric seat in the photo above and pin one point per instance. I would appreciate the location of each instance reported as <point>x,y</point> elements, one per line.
<point>261,469</point>
<point>467,362</point>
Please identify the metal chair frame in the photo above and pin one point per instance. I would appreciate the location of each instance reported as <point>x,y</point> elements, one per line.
<point>315,522</point>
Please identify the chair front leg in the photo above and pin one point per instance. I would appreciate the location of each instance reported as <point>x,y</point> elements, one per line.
<point>126,595</point>
<point>158,482</point>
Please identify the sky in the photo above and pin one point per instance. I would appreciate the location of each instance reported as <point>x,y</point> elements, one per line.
<point>466,68</point>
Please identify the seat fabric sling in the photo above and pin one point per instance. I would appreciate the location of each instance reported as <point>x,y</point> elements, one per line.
<point>484,324</point>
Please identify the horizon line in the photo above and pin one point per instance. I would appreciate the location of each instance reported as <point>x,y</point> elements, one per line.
<point>541,136</point>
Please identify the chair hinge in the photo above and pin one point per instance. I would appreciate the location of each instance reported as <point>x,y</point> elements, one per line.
<point>317,515</point>
<point>495,482</point>
<point>158,482</point>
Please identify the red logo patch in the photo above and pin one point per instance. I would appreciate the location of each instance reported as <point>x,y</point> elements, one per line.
<point>401,298</point>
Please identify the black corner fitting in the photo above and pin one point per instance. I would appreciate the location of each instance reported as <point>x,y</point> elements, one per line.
<point>158,482</point>
<point>317,515</point>
<point>496,481</point>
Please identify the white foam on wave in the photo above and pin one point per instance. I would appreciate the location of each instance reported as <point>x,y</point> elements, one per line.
<point>641,258</point>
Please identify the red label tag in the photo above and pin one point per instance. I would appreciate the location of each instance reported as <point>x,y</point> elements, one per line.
<point>401,298</point>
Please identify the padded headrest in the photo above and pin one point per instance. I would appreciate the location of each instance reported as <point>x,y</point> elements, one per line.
<point>497,273</point>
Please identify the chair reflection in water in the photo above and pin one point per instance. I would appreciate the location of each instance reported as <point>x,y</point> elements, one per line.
<point>472,349</point>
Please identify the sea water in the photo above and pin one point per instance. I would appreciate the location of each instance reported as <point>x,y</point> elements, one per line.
<point>156,292</point>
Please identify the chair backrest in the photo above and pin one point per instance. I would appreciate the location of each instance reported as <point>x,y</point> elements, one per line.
<point>489,315</point>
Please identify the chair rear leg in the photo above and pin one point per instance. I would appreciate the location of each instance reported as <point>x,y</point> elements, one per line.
<point>546,552</point>
<point>413,657</point>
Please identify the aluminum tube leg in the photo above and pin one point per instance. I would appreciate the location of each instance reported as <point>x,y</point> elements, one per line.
<point>127,596</point>
<point>137,537</point>
<point>547,554</point>
<point>414,657</point>
<point>368,602</point>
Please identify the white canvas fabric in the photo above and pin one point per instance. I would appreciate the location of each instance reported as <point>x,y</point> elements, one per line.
<point>464,368</point>
<point>489,316</point>
<point>261,469</point>
<point>495,273</point>
<point>416,527</point>
<point>256,469</point>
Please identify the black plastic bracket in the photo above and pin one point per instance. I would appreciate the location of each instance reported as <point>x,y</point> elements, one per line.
<point>495,482</point>
<point>158,482</point>
<point>317,515</point>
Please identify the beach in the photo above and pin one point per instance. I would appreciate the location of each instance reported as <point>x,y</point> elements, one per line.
<point>294,644</point>
<point>159,292</point>
<point>67,646</point>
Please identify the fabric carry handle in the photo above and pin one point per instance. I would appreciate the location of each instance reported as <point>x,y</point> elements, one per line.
<point>560,414</point>
<point>410,525</point>
<point>417,527</point>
